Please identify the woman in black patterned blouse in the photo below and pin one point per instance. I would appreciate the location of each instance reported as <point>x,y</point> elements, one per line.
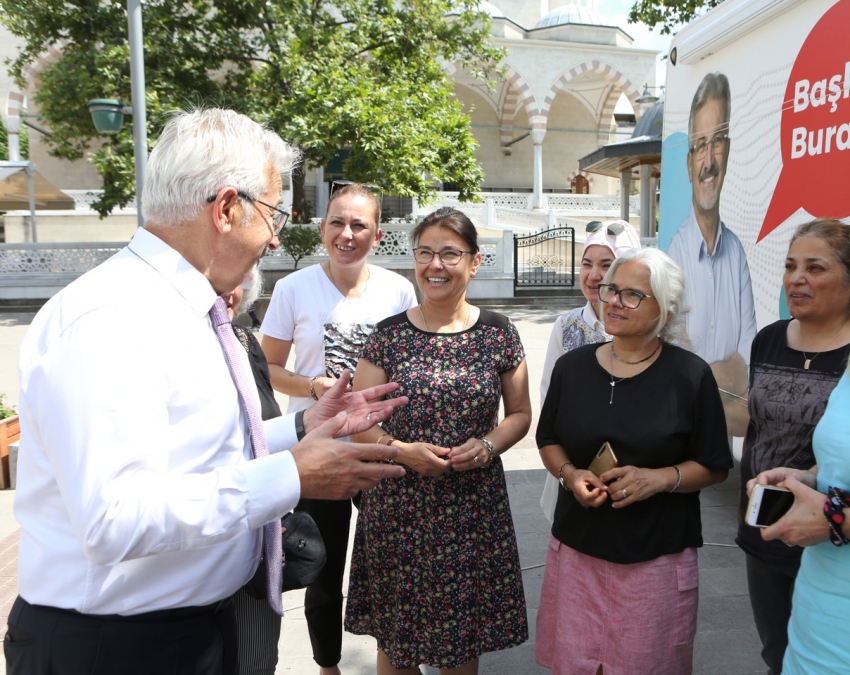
<point>435,573</point>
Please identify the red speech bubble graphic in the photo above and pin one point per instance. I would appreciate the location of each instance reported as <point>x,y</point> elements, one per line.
<point>815,133</point>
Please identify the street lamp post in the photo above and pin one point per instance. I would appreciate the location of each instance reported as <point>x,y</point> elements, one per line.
<point>137,85</point>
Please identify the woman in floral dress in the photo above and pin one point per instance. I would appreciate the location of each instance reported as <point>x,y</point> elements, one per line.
<point>435,574</point>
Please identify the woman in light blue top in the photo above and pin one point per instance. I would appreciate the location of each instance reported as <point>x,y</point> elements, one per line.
<point>819,631</point>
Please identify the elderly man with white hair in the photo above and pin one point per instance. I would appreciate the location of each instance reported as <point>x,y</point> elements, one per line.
<point>140,511</point>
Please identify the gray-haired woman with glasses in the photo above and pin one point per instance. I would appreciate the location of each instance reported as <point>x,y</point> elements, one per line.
<point>623,543</point>
<point>603,243</point>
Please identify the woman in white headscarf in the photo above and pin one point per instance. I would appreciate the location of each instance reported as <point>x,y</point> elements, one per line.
<point>580,326</point>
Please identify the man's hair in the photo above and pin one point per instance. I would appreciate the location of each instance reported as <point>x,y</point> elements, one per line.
<point>714,86</point>
<point>253,288</point>
<point>202,151</point>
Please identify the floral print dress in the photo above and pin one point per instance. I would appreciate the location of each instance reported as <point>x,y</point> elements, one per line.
<point>435,573</point>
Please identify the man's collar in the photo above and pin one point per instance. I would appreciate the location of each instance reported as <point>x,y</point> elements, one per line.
<point>697,238</point>
<point>186,279</point>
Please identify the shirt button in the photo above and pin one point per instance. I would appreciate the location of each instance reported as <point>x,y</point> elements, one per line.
<point>710,275</point>
<point>711,324</point>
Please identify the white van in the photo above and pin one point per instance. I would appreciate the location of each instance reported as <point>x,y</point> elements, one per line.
<point>756,141</point>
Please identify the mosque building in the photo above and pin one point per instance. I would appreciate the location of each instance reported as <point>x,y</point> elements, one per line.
<point>563,74</point>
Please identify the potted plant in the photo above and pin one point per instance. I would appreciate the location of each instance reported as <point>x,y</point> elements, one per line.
<point>10,432</point>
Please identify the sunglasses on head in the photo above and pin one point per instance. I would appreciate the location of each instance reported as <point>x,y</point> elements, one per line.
<point>614,229</point>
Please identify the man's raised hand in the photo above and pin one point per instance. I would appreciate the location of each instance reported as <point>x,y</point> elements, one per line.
<point>365,408</point>
<point>332,469</point>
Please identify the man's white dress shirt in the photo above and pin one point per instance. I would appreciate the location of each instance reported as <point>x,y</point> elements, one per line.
<point>134,489</point>
<point>722,319</point>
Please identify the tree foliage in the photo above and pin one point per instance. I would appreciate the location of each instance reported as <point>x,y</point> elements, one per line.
<point>23,142</point>
<point>668,13</point>
<point>365,75</point>
<point>299,241</point>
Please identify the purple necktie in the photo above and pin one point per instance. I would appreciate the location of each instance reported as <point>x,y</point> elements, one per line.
<point>244,380</point>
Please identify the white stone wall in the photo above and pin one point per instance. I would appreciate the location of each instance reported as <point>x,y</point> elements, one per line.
<point>63,227</point>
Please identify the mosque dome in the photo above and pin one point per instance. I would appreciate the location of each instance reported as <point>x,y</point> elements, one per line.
<point>570,13</point>
<point>491,9</point>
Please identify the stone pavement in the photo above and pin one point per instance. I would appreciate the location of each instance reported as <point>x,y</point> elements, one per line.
<point>726,642</point>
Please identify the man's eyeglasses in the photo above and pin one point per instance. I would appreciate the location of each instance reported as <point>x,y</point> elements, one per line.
<point>700,149</point>
<point>376,190</point>
<point>629,297</point>
<point>279,216</point>
<point>450,256</point>
<point>613,229</point>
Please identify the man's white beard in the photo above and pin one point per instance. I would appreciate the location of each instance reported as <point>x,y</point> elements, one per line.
<point>253,285</point>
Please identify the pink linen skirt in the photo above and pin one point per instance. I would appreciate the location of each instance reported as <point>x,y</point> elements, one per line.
<point>637,619</point>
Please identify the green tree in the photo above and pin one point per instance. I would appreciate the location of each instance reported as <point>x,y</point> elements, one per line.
<point>23,142</point>
<point>670,14</point>
<point>365,75</point>
<point>299,241</point>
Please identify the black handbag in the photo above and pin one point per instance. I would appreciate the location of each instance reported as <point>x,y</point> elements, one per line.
<point>303,556</point>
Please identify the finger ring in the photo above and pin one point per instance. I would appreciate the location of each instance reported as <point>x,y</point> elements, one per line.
<point>786,543</point>
<point>475,460</point>
<point>625,494</point>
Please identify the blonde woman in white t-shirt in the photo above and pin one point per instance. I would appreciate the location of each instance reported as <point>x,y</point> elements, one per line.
<point>326,312</point>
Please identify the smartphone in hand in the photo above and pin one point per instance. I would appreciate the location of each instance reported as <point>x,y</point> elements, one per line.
<point>768,503</point>
<point>605,459</point>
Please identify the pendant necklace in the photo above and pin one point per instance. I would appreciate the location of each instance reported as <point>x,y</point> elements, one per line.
<point>616,380</point>
<point>462,328</point>
<point>809,360</point>
<point>634,363</point>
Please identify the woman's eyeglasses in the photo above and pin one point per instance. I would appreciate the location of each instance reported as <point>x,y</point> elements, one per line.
<point>279,216</point>
<point>629,297</point>
<point>450,256</point>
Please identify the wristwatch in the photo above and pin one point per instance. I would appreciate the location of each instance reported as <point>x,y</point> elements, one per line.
<point>488,446</point>
<point>300,432</point>
<point>561,474</point>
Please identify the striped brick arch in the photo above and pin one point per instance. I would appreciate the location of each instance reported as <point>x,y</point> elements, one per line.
<point>519,94</point>
<point>621,84</point>
<point>14,104</point>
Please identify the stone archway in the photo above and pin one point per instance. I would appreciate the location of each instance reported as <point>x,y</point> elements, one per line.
<point>621,84</point>
<point>519,94</point>
<point>13,106</point>
<point>15,102</point>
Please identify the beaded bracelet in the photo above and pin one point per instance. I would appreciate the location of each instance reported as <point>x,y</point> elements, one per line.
<point>833,510</point>
<point>313,391</point>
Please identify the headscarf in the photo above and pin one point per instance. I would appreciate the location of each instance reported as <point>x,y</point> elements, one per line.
<point>616,235</point>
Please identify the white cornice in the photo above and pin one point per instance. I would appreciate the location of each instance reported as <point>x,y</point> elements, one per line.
<point>571,46</point>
